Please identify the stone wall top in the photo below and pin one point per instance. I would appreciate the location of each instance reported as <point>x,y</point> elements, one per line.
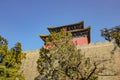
<point>97,44</point>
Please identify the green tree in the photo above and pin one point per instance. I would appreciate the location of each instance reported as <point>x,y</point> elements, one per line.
<point>10,61</point>
<point>63,61</point>
<point>112,34</point>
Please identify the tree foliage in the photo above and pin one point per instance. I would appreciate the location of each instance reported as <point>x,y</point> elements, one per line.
<point>10,61</point>
<point>64,61</point>
<point>112,34</point>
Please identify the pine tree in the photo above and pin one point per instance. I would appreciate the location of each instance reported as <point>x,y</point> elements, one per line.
<point>63,61</point>
<point>10,61</point>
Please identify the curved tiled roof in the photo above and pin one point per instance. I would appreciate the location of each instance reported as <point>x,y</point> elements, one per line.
<point>72,28</point>
<point>80,29</point>
<point>53,27</point>
<point>45,35</point>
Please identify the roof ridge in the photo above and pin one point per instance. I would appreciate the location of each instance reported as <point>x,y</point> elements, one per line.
<point>65,25</point>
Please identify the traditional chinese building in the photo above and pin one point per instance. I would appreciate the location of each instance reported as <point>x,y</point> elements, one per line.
<point>80,35</point>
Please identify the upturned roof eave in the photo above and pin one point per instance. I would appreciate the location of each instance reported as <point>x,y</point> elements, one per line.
<point>43,35</point>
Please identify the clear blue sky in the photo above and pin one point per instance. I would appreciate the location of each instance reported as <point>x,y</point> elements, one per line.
<point>24,20</point>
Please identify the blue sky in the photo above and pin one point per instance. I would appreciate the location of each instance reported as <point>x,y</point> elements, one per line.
<point>23,20</point>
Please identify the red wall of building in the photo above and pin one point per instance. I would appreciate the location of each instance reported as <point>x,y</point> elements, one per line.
<point>80,41</point>
<point>76,41</point>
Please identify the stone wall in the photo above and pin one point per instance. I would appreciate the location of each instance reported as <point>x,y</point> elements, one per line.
<point>103,52</point>
<point>29,65</point>
<point>99,51</point>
